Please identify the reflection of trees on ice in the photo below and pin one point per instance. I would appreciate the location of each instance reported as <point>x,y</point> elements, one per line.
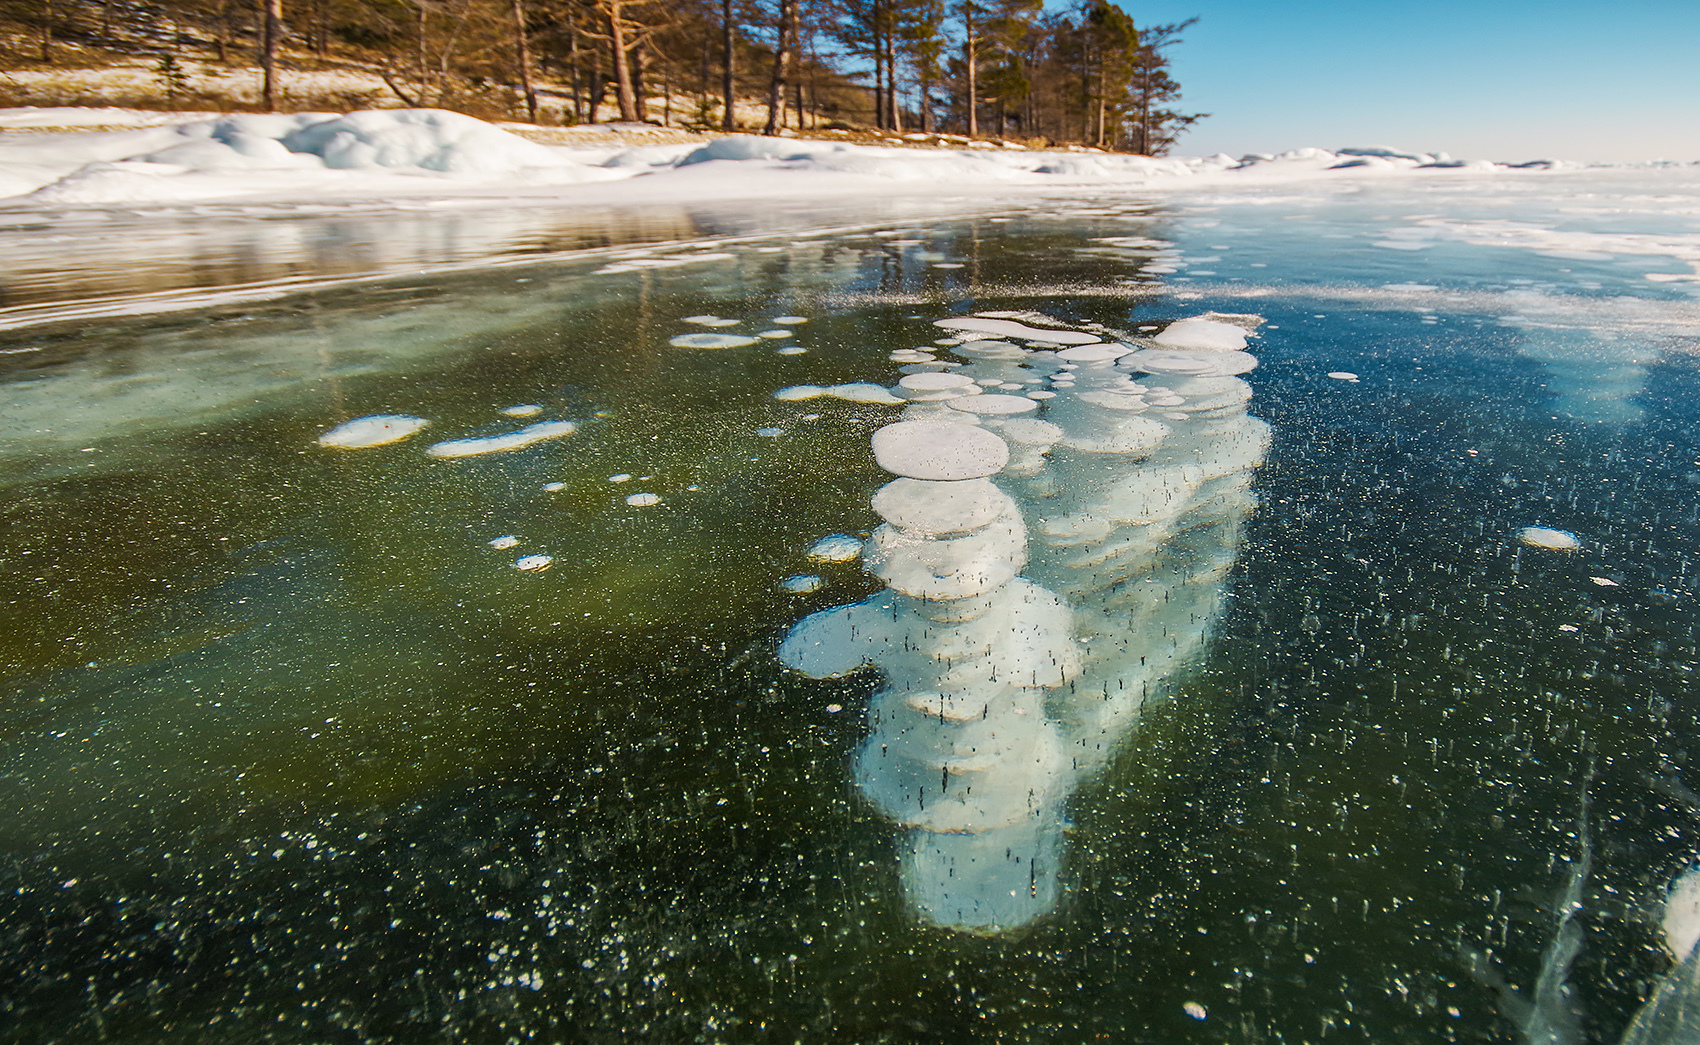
<point>1018,638</point>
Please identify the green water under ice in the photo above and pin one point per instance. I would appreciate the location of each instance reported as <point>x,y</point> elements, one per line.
<point>292,755</point>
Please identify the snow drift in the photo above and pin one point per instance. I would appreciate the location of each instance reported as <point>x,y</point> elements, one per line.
<point>414,152</point>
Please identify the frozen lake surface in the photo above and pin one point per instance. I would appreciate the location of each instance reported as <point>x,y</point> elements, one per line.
<point>868,622</point>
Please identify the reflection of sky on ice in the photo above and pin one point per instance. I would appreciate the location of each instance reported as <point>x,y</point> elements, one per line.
<point>260,680</point>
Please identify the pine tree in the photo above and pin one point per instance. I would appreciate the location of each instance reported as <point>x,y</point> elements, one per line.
<point>1156,126</point>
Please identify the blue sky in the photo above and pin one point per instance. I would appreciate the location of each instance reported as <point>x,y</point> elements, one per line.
<point>1489,79</point>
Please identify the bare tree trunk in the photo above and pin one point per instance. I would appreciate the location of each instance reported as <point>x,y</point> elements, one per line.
<point>521,37</point>
<point>1098,139</point>
<point>894,99</point>
<point>423,69</point>
<point>781,59</point>
<point>573,60</point>
<point>729,119</point>
<point>47,30</point>
<point>622,61</point>
<point>814,86</point>
<point>879,79</point>
<point>597,88</point>
<point>640,93</point>
<point>927,97</point>
<point>970,63</point>
<point>702,86</point>
<point>223,41</point>
<point>396,89</point>
<point>1145,113</point>
<point>271,36</point>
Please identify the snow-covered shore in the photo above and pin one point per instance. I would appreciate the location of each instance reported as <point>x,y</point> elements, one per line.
<point>140,158</point>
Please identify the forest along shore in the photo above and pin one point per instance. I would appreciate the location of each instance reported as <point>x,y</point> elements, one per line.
<point>995,70</point>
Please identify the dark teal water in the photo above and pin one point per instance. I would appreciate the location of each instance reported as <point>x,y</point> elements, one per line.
<point>292,755</point>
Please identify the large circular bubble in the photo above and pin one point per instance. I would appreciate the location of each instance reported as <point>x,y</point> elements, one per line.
<point>939,450</point>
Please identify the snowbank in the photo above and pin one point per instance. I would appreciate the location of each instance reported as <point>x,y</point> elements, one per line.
<point>415,152</point>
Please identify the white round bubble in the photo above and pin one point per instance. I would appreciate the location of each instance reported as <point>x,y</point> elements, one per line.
<point>939,450</point>
<point>1197,364</point>
<point>931,507</point>
<point>932,381</point>
<point>1203,335</point>
<point>993,405</point>
<point>492,444</point>
<point>836,547</point>
<point>1115,401</point>
<point>1093,353</point>
<point>1029,431</point>
<point>1543,537</point>
<point>710,341</point>
<point>373,430</point>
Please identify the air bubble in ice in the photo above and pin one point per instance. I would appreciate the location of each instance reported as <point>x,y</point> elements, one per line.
<point>938,450</point>
<point>1203,335</point>
<point>836,547</point>
<point>1543,537</point>
<point>373,430</point>
<point>710,341</point>
<point>490,444</point>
